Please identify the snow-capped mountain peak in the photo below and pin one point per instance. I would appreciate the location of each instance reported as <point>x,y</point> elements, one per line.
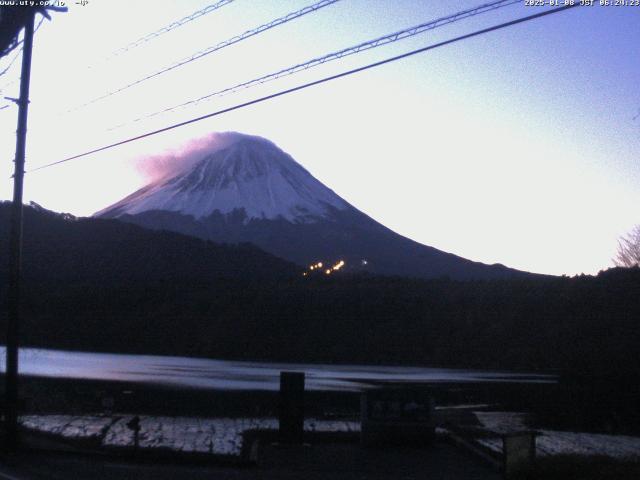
<point>251,174</point>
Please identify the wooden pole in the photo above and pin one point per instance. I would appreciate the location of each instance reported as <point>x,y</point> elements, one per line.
<point>15,244</point>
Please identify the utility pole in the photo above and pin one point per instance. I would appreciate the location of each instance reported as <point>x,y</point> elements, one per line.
<point>15,244</point>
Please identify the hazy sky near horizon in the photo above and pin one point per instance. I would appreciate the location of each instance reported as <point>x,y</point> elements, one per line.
<point>517,147</point>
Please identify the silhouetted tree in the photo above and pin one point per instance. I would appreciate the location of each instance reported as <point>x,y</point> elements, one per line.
<point>628,254</point>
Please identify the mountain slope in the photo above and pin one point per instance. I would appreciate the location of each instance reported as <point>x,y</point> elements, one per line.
<point>251,191</point>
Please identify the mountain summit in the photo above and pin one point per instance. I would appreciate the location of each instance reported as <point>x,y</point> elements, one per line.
<point>250,175</point>
<point>251,191</point>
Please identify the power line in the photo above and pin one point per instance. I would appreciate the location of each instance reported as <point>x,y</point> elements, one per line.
<point>9,83</point>
<point>15,57</point>
<point>311,84</point>
<point>231,41</point>
<point>172,26</point>
<point>370,44</point>
<point>11,47</point>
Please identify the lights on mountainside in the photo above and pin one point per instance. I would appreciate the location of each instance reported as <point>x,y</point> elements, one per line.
<point>335,268</point>
<point>327,271</point>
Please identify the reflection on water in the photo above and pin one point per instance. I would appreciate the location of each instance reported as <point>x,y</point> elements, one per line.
<point>235,375</point>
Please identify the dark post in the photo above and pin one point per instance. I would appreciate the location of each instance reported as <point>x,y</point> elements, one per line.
<point>291,407</point>
<point>519,454</point>
<point>15,244</point>
<point>134,425</point>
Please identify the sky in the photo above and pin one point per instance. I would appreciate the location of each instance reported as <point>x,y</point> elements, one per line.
<point>517,147</point>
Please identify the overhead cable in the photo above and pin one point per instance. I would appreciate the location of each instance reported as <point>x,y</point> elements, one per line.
<point>310,84</point>
<point>172,26</point>
<point>214,48</point>
<point>314,62</point>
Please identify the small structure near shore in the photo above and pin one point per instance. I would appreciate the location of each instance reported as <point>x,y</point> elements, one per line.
<point>397,415</point>
<point>518,453</point>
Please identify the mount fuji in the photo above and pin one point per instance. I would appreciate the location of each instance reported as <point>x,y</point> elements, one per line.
<point>251,191</point>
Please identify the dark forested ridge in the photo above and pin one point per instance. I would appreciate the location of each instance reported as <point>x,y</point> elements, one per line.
<point>109,286</point>
<point>84,251</point>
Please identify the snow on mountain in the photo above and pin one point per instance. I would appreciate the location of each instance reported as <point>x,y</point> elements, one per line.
<point>245,189</point>
<point>251,174</point>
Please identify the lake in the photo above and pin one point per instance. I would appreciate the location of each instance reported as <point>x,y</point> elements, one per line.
<point>240,375</point>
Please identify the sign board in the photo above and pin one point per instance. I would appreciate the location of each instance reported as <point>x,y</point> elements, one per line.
<point>396,415</point>
<point>108,403</point>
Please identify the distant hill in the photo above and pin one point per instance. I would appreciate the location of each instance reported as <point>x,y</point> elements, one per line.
<point>61,247</point>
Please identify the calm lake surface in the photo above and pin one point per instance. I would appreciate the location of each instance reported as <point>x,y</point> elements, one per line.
<point>238,375</point>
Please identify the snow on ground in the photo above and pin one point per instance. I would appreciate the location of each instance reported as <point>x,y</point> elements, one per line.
<point>224,436</point>
<point>69,426</point>
<point>553,442</point>
<point>219,436</point>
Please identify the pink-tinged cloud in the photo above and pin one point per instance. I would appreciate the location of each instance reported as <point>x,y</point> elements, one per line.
<point>173,161</point>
